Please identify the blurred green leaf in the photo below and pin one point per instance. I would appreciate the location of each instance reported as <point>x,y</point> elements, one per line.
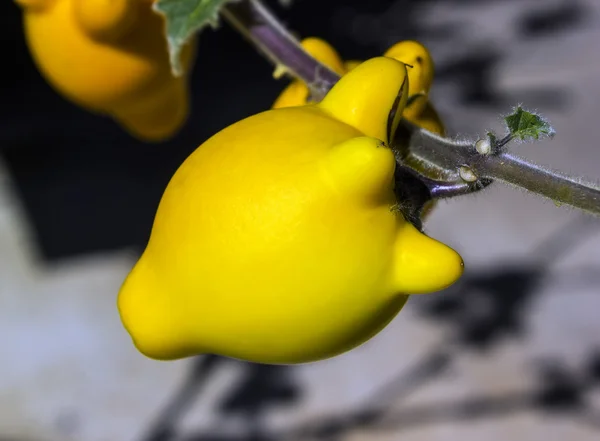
<point>184,18</point>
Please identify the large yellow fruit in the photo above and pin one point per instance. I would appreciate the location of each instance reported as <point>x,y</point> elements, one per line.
<point>277,240</point>
<point>110,57</point>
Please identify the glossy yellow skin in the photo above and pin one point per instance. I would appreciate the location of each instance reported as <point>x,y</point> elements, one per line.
<point>420,111</point>
<point>110,57</point>
<point>276,241</point>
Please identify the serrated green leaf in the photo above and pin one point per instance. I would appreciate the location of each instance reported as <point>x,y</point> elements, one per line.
<point>183,19</point>
<point>526,125</point>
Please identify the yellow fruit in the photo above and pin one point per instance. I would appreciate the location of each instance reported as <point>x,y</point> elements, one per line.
<point>110,57</point>
<point>420,73</point>
<point>277,240</point>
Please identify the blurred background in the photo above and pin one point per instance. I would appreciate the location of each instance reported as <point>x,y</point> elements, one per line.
<point>510,352</point>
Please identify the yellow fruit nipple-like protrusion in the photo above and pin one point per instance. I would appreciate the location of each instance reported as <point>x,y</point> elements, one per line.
<point>110,57</point>
<point>105,19</point>
<point>277,241</point>
<point>372,98</point>
<point>363,166</point>
<point>423,264</point>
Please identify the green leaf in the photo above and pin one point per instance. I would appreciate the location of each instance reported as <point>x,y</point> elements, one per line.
<point>183,19</point>
<point>526,125</point>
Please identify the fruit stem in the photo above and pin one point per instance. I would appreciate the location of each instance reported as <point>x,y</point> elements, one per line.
<point>518,172</point>
<point>257,24</point>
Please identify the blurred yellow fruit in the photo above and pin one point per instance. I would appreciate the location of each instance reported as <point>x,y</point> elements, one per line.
<point>277,240</point>
<point>110,57</point>
<point>420,74</point>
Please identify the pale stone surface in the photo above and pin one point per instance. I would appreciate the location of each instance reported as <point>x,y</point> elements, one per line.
<point>70,372</point>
